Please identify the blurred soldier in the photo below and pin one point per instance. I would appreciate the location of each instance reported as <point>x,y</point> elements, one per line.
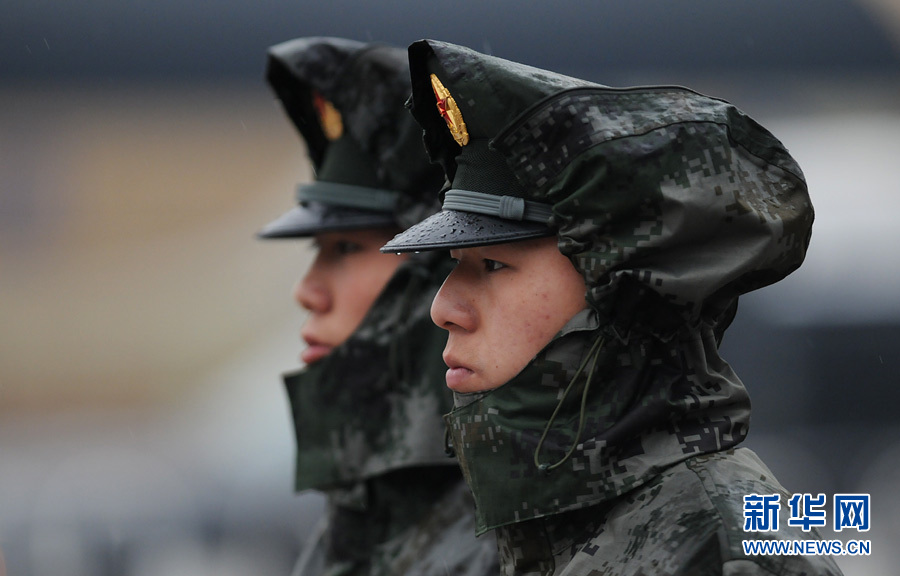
<point>602,238</point>
<point>367,407</point>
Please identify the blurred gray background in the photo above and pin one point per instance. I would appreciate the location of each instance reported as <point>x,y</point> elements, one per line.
<point>143,427</point>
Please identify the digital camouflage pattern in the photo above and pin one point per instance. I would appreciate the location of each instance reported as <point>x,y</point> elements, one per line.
<point>671,204</point>
<point>685,522</point>
<point>368,417</point>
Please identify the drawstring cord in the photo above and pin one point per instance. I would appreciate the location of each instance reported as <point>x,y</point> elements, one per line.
<point>591,357</point>
<point>449,450</point>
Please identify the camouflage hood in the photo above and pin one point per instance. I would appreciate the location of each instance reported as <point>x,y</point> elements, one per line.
<point>375,403</point>
<point>671,204</point>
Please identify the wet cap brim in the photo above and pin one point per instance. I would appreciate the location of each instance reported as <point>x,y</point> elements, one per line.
<point>313,218</point>
<point>332,206</point>
<point>450,229</point>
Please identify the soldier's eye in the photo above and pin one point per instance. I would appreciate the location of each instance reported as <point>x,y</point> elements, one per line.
<point>345,247</point>
<point>493,265</point>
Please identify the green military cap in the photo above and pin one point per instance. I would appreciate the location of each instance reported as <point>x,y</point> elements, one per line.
<point>346,99</point>
<point>463,100</point>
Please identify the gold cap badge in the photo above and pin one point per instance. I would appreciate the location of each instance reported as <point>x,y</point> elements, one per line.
<point>447,107</point>
<point>329,117</point>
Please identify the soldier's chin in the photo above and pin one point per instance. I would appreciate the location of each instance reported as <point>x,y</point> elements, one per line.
<point>314,353</point>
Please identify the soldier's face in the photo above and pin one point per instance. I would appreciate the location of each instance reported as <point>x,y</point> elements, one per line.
<point>501,305</point>
<point>346,277</point>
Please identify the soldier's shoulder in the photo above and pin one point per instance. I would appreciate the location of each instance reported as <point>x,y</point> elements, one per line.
<point>689,519</point>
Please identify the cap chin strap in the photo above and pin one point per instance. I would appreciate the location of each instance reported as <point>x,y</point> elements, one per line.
<point>506,207</point>
<point>347,195</point>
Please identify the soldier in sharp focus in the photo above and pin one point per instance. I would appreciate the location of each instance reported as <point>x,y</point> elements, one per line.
<point>602,238</point>
<point>367,406</point>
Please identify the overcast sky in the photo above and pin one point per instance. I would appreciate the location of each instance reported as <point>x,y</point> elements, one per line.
<point>601,40</point>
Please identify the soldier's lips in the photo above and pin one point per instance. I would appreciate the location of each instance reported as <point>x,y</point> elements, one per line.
<point>457,377</point>
<point>314,352</point>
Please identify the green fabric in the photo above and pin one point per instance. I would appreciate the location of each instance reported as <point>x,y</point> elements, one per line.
<point>480,169</point>
<point>347,195</point>
<point>345,162</point>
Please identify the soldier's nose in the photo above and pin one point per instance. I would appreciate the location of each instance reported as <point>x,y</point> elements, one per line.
<point>449,310</point>
<point>312,295</point>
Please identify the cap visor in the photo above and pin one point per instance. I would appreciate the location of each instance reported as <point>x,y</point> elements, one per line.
<point>314,217</point>
<point>456,229</point>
